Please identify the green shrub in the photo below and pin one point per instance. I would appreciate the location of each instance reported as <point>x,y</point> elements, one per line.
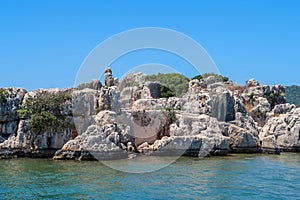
<point>176,83</point>
<point>170,114</point>
<point>166,92</point>
<point>198,77</point>
<point>3,96</point>
<point>135,84</point>
<point>205,75</point>
<point>44,111</point>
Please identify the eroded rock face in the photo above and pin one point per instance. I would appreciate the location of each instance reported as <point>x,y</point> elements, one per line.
<point>274,94</point>
<point>36,145</point>
<point>212,118</point>
<point>196,146</point>
<point>222,105</point>
<point>196,104</point>
<point>130,94</point>
<point>283,108</point>
<point>252,83</point>
<point>132,79</point>
<point>196,86</point>
<point>109,99</point>
<point>282,132</point>
<point>100,143</point>
<point>148,90</point>
<point>260,112</point>
<point>41,143</point>
<point>242,140</point>
<point>192,135</point>
<point>94,84</point>
<point>10,101</point>
<point>150,120</point>
<point>109,80</point>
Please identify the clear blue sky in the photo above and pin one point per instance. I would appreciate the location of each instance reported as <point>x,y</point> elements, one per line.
<point>43,43</point>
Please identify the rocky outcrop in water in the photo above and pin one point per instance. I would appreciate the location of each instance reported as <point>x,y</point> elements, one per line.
<point>93,121</point>
<point>282,133</point>
<point>35,140</point>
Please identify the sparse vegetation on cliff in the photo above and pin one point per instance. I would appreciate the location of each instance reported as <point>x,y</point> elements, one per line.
<point>176,83</point>
<point>44,112</point>
<point>170,114</point>
<point>3,94</point>
<point>166,92</point>
<point>205,75</point>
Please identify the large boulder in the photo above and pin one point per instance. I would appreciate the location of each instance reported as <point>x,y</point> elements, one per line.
<point>260,112</point>
<point>190,124</point>
<point>252,83</point>
<point>196,103</point>
<point>132,79</point>
<point>96,143</point>
<point>191,135</point>
<point>109,99</point>
<point>195,146</point>
<point>147,90</point>
<point>282,133</point>
<point>274,94</point>
<point>241,140</point>
<point>150,120</point>
<point>94,84</point>
<point>130,94</point>
<point>222,104</point>
<point>283,109</point>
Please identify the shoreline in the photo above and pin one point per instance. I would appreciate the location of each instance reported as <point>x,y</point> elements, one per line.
<point>212,117</point>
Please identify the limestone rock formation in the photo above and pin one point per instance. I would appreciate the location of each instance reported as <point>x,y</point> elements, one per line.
<point>96,143</point>
<point>134,86</point>
<point>282,132</point>
<point>42,142</point>
<point>109,80</point>
<point>242,140</point>
<point>212,118</point>
<point>150,120</point>
<point>109,99</point>
<point>10,101</point>
<point>94,84</point>
<point>222,105</point>
<point>260,111</point>
<point>132,79</point>
<point>252,83</point>
<point>191,135</point>
<point>283,109</point>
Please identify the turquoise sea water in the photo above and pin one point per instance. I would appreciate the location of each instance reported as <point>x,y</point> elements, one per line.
<point>232,177</point>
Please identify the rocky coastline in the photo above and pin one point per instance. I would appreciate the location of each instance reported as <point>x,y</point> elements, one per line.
<point>121,119</point>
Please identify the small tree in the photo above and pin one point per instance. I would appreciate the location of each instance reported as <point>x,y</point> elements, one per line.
<point>44,111</point>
